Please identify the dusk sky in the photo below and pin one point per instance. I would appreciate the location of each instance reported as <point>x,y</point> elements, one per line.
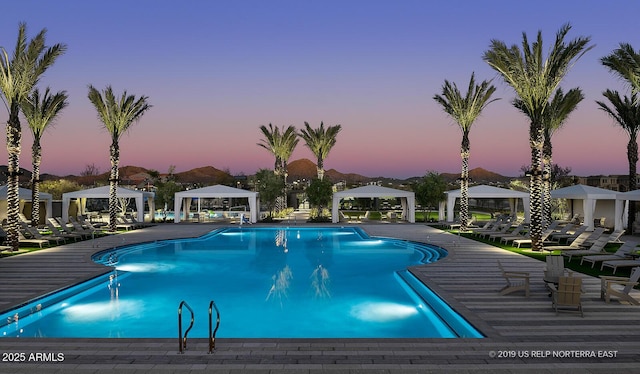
<point>215,71</point>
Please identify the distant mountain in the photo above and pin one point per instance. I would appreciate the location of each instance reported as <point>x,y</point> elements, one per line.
<point>479,176</point>
<point>306,169</point>
<point>207,175</point>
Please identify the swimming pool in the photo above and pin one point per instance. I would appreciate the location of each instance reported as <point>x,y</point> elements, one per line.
<point>267,283</point>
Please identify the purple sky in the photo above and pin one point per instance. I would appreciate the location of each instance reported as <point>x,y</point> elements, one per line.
<point>215,71</point>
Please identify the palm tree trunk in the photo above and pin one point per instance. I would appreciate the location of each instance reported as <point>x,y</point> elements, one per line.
<point>546,180</point>
<point>36,156</point>
<point>114,152</point>
<point>536,138</point>
<point>320,168</point>
<point>632,156</point>
<point>14,136</point>
<point>464,182</point>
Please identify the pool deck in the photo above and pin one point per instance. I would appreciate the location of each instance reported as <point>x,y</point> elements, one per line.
<point>522,334</point>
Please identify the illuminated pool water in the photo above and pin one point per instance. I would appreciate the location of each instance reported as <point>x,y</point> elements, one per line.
<point>266,282</point>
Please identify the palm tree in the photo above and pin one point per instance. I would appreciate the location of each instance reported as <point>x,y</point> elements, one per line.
<point>281,144</point>
<point>18,75</point>
<point>320,142</point>
<point>626,112</point>
<point>465,110</point>
<point>534,79</point>
<point>625,63</point>
<point>117,116</point>
<point>39,113</point>
<point>555,116</point>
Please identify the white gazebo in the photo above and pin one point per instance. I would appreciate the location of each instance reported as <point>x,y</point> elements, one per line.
<point>622,206</point>
<point>103,193</point>
<point>211,192</point>
<point>24,195</point>
<point>595,202</point>
<point>407,199</point>
<point>488,192</point>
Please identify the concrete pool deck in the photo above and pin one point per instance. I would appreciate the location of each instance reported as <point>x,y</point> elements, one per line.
<point>521,333</point>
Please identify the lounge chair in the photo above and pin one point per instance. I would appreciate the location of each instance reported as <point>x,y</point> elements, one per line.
<point>569,236</point>
<point>619,287</point>
<point>503,230</point>
<point>555,269</point>
<point>575,245</point>
<point>613,238</point>
<point>33,233</point>
<point>516,281</point>
<point>58,232</point>
<point>519,242</point>
<point>620,254</point>
<point>24,240</point>
<point>122,224</point>
<point>515,231</point>
<point>491,226</point>
<point>595,249</point>
<point>615,264</point>
<point>64,229</point>
<point>567,295</point>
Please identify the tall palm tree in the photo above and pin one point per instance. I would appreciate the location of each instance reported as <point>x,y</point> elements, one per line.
<point>18,75</point>
<point>280,143</point>
<point>465,110</point>
<point>534,79</point>
<point>625,63</point>
<point>320,142</point>
<point>39,113</point>
<point>117,116</point>
<point>554,117</point>
<point>626,112</point>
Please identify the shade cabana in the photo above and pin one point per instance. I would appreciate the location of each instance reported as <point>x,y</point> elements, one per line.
<point>589,201</point>
<point>622,206</point>
<point>141,197</point>
<point>24,194</point>
<point>212,192</point>
<point>407,199</point>
<point>488,192</point>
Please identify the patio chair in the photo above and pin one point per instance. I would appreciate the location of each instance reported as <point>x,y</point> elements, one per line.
<point>519,242</point>
<point>620,254</point>
<point>502,230</point>
<point>58,232</point>
<point>619,287</point>
<point>615,264</point>
<point>567,295</point>
<point>516,281</point>
<point>555,269</point>
<point>24,240</point>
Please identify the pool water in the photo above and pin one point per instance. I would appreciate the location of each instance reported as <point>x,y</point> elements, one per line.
<point>266,282</point>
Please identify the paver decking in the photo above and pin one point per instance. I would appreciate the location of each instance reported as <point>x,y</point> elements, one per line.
<point>522,333</point>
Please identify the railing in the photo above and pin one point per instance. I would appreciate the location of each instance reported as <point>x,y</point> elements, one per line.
<point>212,335</point>
<point>182,340</point>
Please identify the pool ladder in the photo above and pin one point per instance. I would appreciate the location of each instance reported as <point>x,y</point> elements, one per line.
<point>182,339</point>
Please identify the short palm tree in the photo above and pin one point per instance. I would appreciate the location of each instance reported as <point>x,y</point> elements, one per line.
<point>18,75</point>
<point>555,116</point>
<point>117,116</point>
<point>40,113</point>
<point>465,110</point>
<point>534,80</point>
<point>626,112</point>
<point>625,63</point>
<point>320,142</point>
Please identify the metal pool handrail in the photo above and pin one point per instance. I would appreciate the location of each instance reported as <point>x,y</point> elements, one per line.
<point>212,335</point>
<point>182,340</point>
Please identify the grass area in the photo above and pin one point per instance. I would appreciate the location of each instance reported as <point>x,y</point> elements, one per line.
<point>573,265</point>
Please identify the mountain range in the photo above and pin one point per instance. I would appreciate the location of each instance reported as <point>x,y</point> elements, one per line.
<point>297,170</point>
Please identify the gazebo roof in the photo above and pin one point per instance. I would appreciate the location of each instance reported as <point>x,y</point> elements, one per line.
<point>484,191</point>
<point>580,191</point>
<point>374,191</point>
